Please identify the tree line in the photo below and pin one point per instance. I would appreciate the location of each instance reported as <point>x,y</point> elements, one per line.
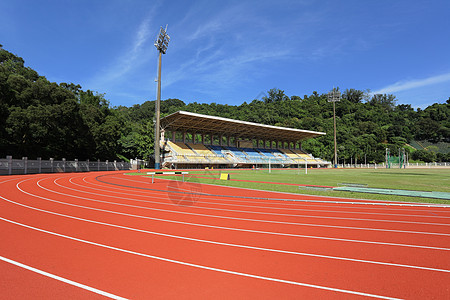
<point>39,118</point>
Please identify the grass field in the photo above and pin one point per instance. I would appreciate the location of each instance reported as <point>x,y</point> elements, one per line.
<point>437,180</point>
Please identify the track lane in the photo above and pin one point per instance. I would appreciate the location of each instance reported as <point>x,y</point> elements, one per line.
<point>443,237</point>
<point>291,243</point>
<point>215,202</point>
<point>163,278</point>
<point>166,204</point>
<point>243,234</point>
<point>261,263</point>
<point>119,180</point>
<point>241,246</point>
<point>41,284</point>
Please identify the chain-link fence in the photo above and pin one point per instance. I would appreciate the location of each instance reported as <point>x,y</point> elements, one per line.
<point>10,166</point>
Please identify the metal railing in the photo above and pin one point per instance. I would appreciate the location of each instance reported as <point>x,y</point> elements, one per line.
<point>10,166</point>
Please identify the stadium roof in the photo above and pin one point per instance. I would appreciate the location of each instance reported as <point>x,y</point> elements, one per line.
<point>184,121</point>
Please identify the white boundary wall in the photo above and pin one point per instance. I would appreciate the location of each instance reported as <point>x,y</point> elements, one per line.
<point>10,166</point>
<point>396,166</point>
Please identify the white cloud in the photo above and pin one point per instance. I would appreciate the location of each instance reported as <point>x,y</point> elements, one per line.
<point>218,47</point>
<point>141,35</point>
<point>132,58</point>
<point>412,84</point>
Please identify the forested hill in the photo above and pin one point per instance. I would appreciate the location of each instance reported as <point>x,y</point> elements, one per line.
<point>39,118</point>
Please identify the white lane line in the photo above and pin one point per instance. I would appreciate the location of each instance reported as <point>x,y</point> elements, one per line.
<point>231,228</point>
<point>212,197</point>
<point>231,218</point>
<point>386,203</point>
<point>260,220</point>
<point>59,278</point>
<point>197,265</point>
<point>267,213</point>
<point>10,179</point>
<point>279,202</point>
<point>230,244</point>
<point>352,201</point>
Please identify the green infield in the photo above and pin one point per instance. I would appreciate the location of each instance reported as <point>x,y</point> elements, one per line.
<point>316,181</point>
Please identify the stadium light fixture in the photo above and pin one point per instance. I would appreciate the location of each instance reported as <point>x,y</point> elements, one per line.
<point>161,43</point>
<point>334,96</point>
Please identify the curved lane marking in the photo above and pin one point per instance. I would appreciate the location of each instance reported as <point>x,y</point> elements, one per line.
<point>199,266</point>
<point>288,203</point>
<point>62,279</point>
<point>241,205</point>
<point>229,244</point>
<point>359,201</point>
<point>230,228</point>
<point>240,211</point>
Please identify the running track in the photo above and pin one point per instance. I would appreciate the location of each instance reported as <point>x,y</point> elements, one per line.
<point>97,235</point>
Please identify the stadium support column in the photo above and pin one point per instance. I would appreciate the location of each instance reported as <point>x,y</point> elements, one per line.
<point>161,43</point>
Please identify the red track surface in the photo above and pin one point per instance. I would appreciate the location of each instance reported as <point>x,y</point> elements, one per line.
<point>80,235</point>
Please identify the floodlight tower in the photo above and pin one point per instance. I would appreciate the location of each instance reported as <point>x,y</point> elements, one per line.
<point>161,43</point>
<point>334,96</point>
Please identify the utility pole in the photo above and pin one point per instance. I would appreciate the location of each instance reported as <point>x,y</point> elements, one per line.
<point>334,96</point>
<point>161,43</point>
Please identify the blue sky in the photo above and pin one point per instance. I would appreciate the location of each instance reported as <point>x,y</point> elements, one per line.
<point>229,52</point>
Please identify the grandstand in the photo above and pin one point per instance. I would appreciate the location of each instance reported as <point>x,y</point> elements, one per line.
<point>191,140</point>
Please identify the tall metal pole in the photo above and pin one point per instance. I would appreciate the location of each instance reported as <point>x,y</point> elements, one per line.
<point>335,143</point>
<point>157,116</point>
<point>161,43</point>
<point>334,96</point>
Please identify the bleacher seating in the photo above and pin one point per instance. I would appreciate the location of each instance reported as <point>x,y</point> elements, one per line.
<point>252,152</point>
<point>267,152</point>
<point>301,155</point>
<point>216,149</point>
<point>207,153</point>
<point>181,148</point>
<point>279,154</point>
<point>236,151</point>
<point>200,149</point>
<point>290,153</point>
<point>191,153</point>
